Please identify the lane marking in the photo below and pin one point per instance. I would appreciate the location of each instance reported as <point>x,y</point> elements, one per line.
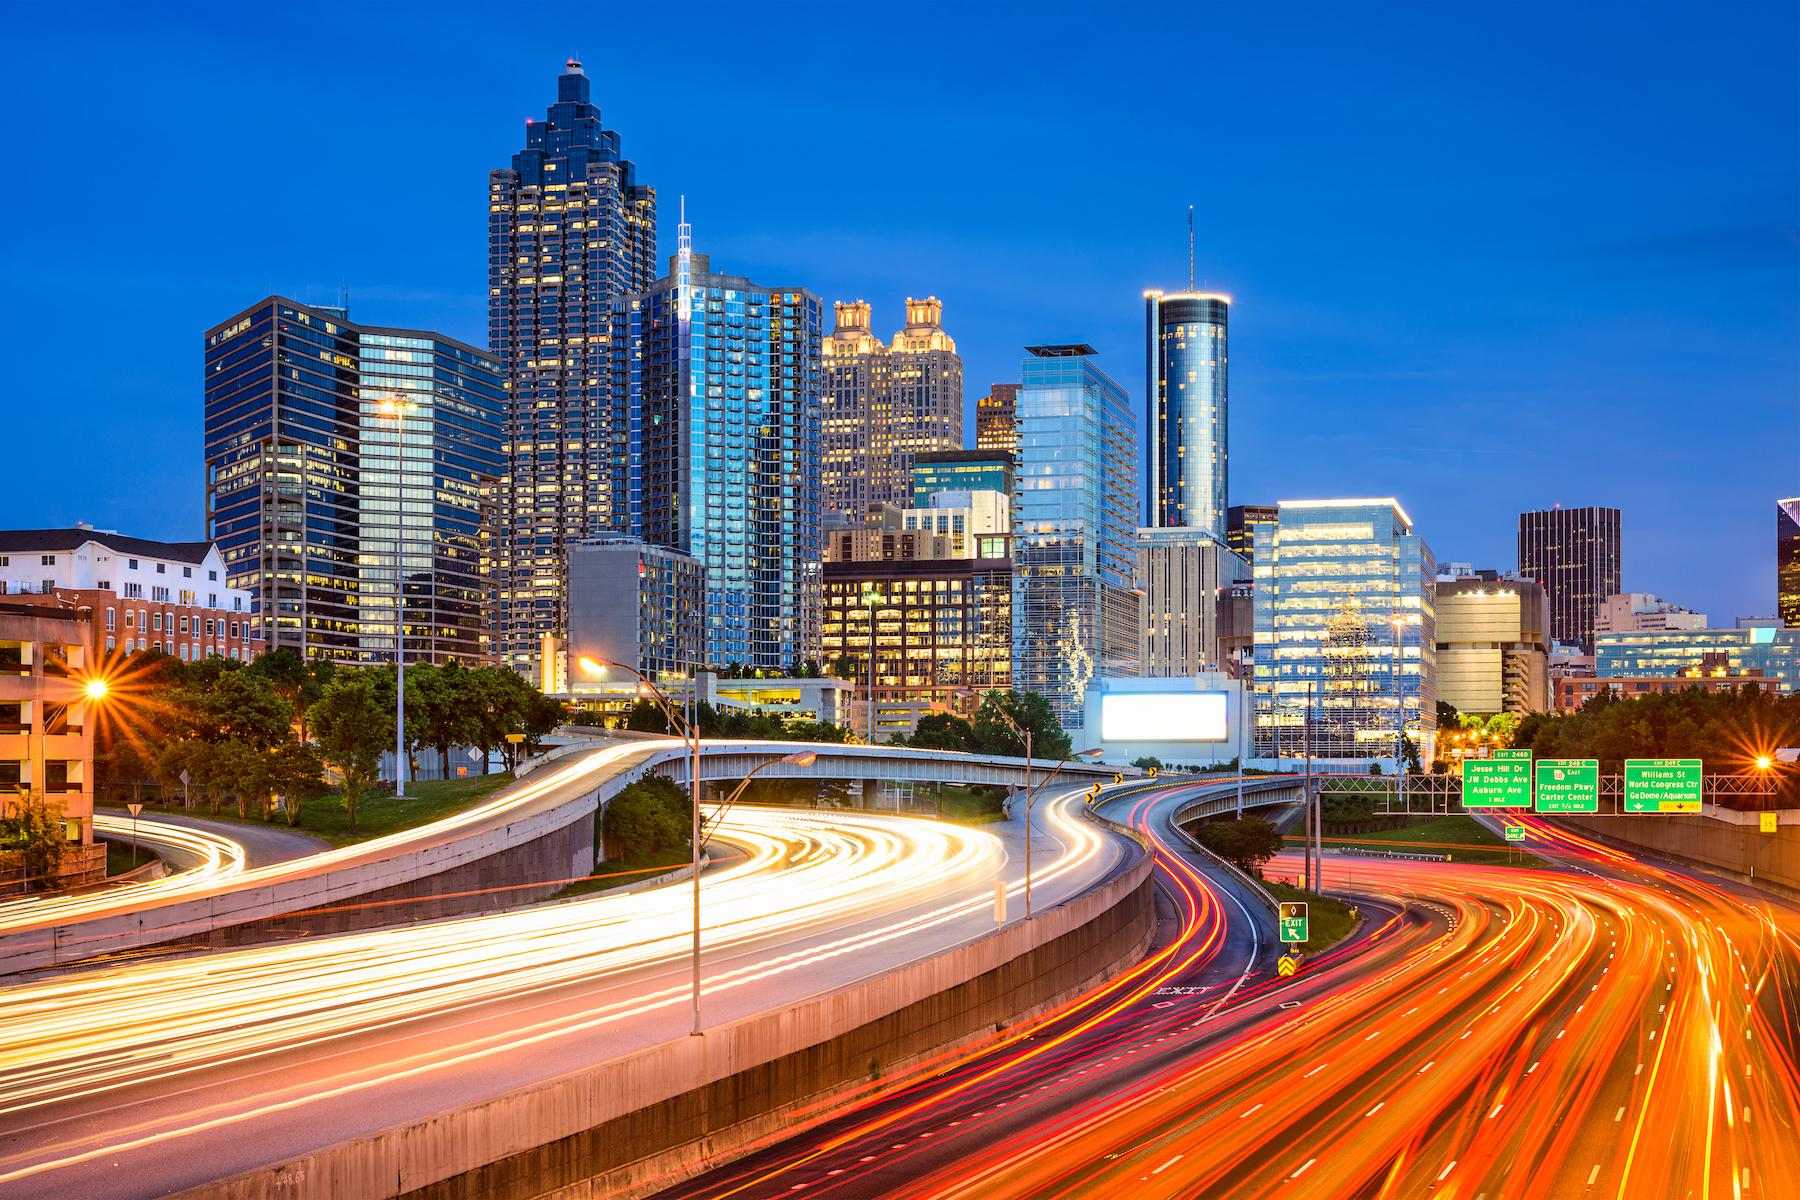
<point>1446,1171</point>
<point>1376,1109</point>
<point>1166,1165</point>
<point>1297,1174</point>
<point>1246,1113</point>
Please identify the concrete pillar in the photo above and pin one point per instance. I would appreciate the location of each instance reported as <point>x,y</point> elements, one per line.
<point>869,789</point>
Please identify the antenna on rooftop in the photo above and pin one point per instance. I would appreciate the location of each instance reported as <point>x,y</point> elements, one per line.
<point>1190,247</point>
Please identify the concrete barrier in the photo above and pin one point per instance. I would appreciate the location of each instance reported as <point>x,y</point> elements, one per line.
<point>641,1123</point>
<point>1725,842</point>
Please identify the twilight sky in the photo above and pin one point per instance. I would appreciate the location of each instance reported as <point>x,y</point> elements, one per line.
<point>1483,258</point>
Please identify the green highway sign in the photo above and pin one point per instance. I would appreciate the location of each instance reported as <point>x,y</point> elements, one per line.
<point>1293,922</point>
<point>1503,781</point>
<point>1515,833</point>
<point>1662,785</point>
<point>1568,785</point>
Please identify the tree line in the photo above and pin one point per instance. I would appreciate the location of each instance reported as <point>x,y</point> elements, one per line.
<point>266,730</point>
<point>1728,730</point>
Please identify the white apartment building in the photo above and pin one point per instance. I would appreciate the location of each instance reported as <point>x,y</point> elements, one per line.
<point>167,596</point>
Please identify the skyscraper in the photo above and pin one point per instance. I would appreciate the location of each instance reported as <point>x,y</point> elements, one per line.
<point>1345,620</point>
<point>726,449</point>
<point>1787,561</point>
<point>351,482</point>
<point>1185,474</point>
<point>1241,521</point>
<point>1576,554</point>
<point>570,230</point>
<point>996,419</point>
<point>1075,612</point>
<point>886,403</point>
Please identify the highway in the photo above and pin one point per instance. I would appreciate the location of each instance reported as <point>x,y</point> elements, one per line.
<point>168,1074</point>
<point>1608,1028</point>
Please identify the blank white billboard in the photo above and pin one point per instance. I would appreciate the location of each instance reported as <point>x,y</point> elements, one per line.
<point>1162,717</point>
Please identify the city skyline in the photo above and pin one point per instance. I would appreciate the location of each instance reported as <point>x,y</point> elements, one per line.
<point>1363,365</point>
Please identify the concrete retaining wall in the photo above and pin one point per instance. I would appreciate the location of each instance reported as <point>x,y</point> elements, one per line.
<point>1733,846</point>
<point>633,1126</point>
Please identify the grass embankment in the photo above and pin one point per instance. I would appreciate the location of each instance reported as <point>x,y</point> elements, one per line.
<point>376,816</point>
<point>1327,920</point>
<point>620,872</point>
<point>974,806</point>
<point>118,858</point>
<point>1462,837</point>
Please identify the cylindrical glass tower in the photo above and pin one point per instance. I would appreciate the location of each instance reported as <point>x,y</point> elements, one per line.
<point>1185,480</point>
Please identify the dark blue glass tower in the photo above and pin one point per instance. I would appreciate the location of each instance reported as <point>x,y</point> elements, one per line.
<point>570,231</point>
<point>351,474</point>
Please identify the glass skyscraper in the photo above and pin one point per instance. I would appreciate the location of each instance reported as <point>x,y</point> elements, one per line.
<point>352,477</point>
<point>1345,594</point>
<point>1787,561</point>
<point>1075,613</point>
<point>725,449</point>
<point>1576,553</point>
<point>1186,481</point>
<point>570,232</point>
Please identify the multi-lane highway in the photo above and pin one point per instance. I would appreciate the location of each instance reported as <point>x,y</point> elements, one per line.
<point>1606,1028</point>
<point>153,1077</point>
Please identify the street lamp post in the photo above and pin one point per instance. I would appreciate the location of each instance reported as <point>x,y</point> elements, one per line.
<point>397,410</point>
<point>1024,735</point>
<point>800,758</point>
<point>871,599</point>
<point>691,735</point>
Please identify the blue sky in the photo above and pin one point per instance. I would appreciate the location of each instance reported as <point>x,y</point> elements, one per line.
<point>1483,258</point>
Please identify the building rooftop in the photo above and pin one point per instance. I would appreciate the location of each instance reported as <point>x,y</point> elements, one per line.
<point>1070,350</point>
<point>37,541</point>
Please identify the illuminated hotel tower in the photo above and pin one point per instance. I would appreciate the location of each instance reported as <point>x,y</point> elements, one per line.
<point>1185,476</point>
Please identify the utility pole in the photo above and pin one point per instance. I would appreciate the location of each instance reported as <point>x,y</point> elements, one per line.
<point>1311,796</point>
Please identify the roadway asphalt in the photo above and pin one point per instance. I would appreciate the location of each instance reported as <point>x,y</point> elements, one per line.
<point>1608,1027</point>
<point>233,1061</point>
<point>263,845</point>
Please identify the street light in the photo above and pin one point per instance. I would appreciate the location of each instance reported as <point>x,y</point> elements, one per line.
<point>396,409</point>
<point>690,734</point>
<point>871,599</point>
<point>1024,735</point>
<point>800,758</point>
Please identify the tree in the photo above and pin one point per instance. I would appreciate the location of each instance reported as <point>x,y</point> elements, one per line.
<point>646,716</point>
<point>1147,762</point>
<point>816,731</point>
<point>38,834</point>
<point>447,713</point>
<point>942,731</point>
<point>844,667</point>
<point>238,768</point>
<point>1248,844</point>
<point>295,680</point>
<point>1030,712</point>
<point>353,726</point>
<point>648,816</point>
<point>296,773</point>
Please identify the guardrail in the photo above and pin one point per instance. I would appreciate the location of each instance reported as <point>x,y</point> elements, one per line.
<point>1361,853</point>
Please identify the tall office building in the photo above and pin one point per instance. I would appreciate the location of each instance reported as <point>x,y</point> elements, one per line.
<point>1787,561</point>
<point>962,471</point>
<point>1241,521</point>
<point>570,231</point>
<point>1492,655</point>
<point>996,418</point>
<point>726,449</point>
<point>884,404</point>
<point>1575,554</point>
<point>1185,470</point>
<point>1076,614</point>
<point>1345,619</point>
<point>1183,574</point>
<point>352,473</point>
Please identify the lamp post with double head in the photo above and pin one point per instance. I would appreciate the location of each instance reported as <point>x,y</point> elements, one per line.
<point>800,758</point>
<point>1024,735</point>
<point>689,733</point>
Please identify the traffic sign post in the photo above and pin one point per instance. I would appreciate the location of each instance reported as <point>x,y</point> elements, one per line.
<point>1503,781</point>
<point>1568,785</point>
<point>1515,833</point>
<point>1669,785</point>
<point>1768,822</point>
<point>1293,922</point>
<point>135,810</point>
